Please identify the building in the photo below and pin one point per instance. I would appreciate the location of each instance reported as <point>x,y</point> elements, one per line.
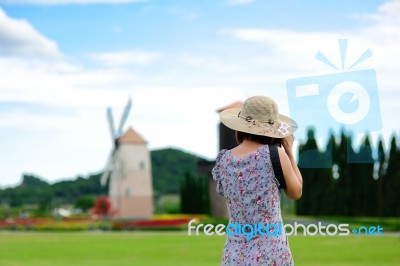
<point>130,188</point>
<point>227,140</point>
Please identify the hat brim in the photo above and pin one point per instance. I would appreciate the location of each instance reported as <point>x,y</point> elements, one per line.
<point>284,127</point>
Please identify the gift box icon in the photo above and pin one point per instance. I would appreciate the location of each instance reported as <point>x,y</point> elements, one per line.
<point>348,99</point>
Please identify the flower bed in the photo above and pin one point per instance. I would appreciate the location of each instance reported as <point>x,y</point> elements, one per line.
<point>152,224</point>
<point>47,224</point>
<point>170,222</point>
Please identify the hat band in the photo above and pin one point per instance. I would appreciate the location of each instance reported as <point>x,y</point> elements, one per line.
<point>278,127</point>
<point>250,121</point>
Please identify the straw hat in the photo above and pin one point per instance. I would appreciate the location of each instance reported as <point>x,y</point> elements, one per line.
<point>259,115</point>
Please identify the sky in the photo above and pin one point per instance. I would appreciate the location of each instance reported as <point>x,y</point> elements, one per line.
<point>63,62</point>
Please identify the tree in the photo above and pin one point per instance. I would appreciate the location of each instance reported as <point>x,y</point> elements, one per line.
<point>32,181</point>
<point>346,171</point>
<point>366,203</point>
<point>85,203</point>
<point>194,194</point>
<point>309,156</point>
<point>391,181</point>
<point>356,185</point>
<point>102,206</point>
<point>327,182</point>
<point>381,175</point>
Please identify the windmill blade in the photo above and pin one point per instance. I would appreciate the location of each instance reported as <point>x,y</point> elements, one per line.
<point>111,126</point>
<point>124,117</point>
<point>107,169</point>
<point>104,177</point>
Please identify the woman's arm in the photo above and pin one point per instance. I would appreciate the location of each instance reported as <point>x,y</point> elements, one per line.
<point>293,178</point>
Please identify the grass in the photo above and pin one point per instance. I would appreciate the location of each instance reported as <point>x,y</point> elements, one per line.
<point>176,248</point>
<point>346,251</point>
<point>389,224</point>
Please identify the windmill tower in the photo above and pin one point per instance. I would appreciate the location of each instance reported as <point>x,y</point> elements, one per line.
<point>129,169</point>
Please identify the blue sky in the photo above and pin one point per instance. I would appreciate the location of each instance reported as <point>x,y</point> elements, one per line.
<point>62,62</point>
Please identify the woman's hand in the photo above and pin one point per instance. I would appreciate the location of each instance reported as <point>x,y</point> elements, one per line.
<point>291,172</point>
<point>287,144</point>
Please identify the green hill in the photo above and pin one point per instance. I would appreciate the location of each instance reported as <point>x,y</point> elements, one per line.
<point>168,167</point>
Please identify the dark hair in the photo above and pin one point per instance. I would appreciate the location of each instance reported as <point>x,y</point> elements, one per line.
<point>241,136</point>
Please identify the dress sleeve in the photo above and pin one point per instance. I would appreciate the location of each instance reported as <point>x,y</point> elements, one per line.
<point>216,172</point>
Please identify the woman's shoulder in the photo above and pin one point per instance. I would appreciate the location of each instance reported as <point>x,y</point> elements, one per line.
<point>221,153</point>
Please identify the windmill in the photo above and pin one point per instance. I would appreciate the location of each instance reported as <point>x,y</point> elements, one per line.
<point>128,169</point>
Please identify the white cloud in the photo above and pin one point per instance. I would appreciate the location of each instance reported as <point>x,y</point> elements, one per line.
<point>19,38</point>
<point>83,90</point>
<point>384,28</point>
<point>63,2</point>
<point>125,58</point>
<point>295,51</point>
<point>388,12</point>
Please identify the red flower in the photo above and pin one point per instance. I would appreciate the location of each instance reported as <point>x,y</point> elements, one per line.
<point>102,206</point>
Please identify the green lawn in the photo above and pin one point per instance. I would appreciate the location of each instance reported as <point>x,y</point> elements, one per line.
<point>176,248</point>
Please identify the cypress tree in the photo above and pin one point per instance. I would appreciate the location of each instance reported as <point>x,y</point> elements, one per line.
<point>194,194</point>
<point>328,204</point>
<point>381,177</point>
<point>356,184</point>
<point>183,194</point>
<point>391,181</point>
<point>366,204</point>
<point>308,154</point>
<point>345,184</point>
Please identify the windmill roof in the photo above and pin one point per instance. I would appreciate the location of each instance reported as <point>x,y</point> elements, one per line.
<point>232,105</point>
<point>131,136</point>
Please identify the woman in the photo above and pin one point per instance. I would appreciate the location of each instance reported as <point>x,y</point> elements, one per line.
<point>245,176</point>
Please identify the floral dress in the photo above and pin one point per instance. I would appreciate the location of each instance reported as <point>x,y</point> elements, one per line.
<point>252,195</point>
